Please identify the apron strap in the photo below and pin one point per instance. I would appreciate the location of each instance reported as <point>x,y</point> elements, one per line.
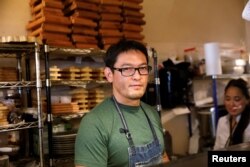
<point>151,125</point>
<point>126,130</point>
<point>125,127</point>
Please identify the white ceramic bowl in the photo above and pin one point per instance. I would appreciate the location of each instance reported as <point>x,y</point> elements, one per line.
<point>65,99</point>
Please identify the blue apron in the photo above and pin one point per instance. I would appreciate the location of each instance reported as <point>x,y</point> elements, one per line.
<point>145,155</point>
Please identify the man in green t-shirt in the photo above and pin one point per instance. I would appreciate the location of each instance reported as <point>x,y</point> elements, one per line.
<point>122,130</point>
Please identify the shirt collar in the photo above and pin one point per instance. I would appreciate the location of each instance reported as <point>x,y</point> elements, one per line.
<point>237,118</point>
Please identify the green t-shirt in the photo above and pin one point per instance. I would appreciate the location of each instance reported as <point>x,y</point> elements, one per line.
<point>99,142</point>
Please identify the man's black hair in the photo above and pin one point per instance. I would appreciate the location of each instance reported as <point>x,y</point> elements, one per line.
<point>121,47</point>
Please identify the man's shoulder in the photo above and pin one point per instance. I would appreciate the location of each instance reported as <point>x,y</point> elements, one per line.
<point>105,105</point>
<point>148,108</point>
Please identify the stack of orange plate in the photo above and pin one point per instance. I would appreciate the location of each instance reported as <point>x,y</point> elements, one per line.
<point>8,74</point>
<point>49,24</point>
<point>4,111</point>
<point>109,26</point>
<point>133,20</point>
<point>87,99</point>
<point>83,16</point>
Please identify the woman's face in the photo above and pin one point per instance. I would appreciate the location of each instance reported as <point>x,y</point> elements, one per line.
<point>235,101</point>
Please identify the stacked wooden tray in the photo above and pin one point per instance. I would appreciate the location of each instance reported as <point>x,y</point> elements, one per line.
<point>83,16</point>
<point>49,24</point>
<point>85,24</point>
<point>87,99</point>
<point>88,73</point>
<point>70,73</point>
<point>64,108</point>
<point>8,74</point>
<point>75,73</point>
<point>109,25</point>
<point>4,111</point>
<point>85,73</point>
<point>55,73</point>
<point>133,20</point>
<point>61,108</point>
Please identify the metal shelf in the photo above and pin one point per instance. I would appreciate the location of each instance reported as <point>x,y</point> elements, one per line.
<point>27,50</point>
<point>12,48</point>
<point>70,116</point>
<point>18,126</point>
<point>17,84</point>
<point>78,83</point>
<point>230,76</point>
<point>72,53</point>
<point>222,76</point>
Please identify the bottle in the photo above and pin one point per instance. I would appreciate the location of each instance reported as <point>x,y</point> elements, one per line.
<point>245,56</point>
<point>191,56</point>
<point>247,69</point>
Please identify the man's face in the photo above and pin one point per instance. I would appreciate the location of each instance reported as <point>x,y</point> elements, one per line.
<point>128,89</point>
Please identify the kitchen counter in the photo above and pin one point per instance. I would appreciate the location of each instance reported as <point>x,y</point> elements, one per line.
<point>201,159</point>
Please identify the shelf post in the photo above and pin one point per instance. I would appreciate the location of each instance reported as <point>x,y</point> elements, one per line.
<point>39,106</point>
<point>28,78</point>
<point>157,82</point>
<point>215,113</point>
<point>48,101</point>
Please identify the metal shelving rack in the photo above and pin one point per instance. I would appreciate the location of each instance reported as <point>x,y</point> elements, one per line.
<point>22,84</point>
<point>18,50</point>
<point>19,126</point>
<point>57,53</point>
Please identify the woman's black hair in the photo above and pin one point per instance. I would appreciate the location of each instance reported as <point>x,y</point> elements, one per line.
<point>240,84</point>
<point>237,136</point>
<point>122,46</point>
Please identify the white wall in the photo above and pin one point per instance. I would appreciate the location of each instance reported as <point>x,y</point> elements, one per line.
<point>172,25</point>
<point>14,16</point>
<point>167,21</point>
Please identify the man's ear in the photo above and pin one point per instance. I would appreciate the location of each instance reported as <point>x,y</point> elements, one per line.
<point>108,74</point>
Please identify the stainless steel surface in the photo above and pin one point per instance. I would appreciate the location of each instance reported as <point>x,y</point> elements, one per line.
<point>239,147</point>
<point>39,105</point>
<point>196,160</point>
<point>201,159</point>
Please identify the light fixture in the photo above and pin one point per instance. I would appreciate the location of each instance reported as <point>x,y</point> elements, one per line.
<point>246,12</point>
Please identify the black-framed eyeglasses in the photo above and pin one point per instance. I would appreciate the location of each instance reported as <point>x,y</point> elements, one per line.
<point>130,71</point>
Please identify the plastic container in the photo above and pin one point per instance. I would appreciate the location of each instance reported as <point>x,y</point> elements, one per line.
<point>191,56</point>
<point>55,99</point>
<point>65,99</point>
<point>234,66</point>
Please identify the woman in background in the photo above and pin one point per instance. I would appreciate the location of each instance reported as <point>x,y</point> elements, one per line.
<point>234,128</point>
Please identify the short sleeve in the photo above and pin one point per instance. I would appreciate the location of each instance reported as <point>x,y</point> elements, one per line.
<point>90,144</point>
